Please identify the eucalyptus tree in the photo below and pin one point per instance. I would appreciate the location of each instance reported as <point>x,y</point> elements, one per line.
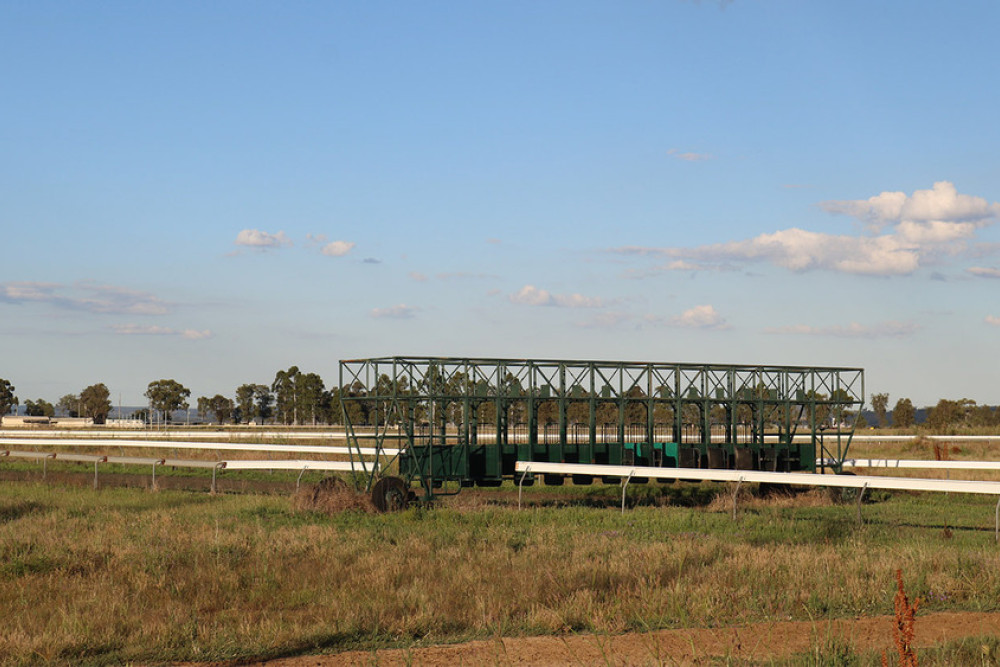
<point>880,403</point>
<point>262,399</point>
<point>69,405</point>
<point>95,402</point>
<point>285,389</point>
<point>167,396</point>
<point>221,407</point>
<point>244,401</point>
<point>310,398</point>
<point>7,397</point>
<point>39,408</point>
<point>903,414</point>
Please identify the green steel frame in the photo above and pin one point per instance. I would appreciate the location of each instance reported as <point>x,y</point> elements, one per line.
<point>465,420</point>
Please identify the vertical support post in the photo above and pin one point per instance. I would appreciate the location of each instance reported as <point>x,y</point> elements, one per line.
<point>625,488</point>
<point>299,480</point>
<point>861,495</point>
<point>520,485</point>
<point>215,469</point>
<point>997,530</point>
<point>96,461</point>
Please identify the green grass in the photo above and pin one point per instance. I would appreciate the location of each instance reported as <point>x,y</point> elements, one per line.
<point>122,575</point>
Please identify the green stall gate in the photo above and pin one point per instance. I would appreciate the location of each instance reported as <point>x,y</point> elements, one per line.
<point>453,422</point>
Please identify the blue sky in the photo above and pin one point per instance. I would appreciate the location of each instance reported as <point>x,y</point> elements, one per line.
<point>211,192</point>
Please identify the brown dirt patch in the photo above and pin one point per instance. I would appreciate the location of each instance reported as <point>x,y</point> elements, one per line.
<point>695,646</point>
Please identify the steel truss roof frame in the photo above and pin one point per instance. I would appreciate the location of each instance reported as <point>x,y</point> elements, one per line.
<point>695,403</point>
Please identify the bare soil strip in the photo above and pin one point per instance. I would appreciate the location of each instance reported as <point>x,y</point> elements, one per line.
<point>694,646</point>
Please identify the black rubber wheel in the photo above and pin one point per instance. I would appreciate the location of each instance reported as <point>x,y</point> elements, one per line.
<point>390,494</point>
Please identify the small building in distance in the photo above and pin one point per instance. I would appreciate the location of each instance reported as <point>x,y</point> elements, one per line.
<point>23,421</point>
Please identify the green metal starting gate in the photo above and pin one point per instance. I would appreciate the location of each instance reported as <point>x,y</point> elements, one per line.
<point>442,423</point>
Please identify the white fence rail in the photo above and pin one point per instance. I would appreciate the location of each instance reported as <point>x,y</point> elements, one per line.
<point>860,482</point>
<point>206,446</point>
<point>914,464</point>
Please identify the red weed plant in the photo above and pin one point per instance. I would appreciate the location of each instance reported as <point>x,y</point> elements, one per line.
<point>904,618</point>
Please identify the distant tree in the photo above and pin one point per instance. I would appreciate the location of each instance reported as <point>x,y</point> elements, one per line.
<point>69,405</point>
<point>262,399</point>
<point>167,396</point>
<point>7,397</point>
<point>95,403</point>
<point>903,413</point>
<point>142,415</point>
<point>310,399</point>
<point>284,388</point>
<point>203,408</point>
<point>39,408</point>
<point>982,416</point>
<point>334,407</point>
<point>950,414</point>
<point>880,403</point>
<point>221,407</point>
<point>357,411</point>
<point>244,402</point>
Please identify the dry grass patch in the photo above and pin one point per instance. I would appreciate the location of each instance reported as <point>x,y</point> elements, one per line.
<point>331,495</point>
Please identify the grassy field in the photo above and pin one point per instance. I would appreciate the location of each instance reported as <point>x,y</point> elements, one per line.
<point>118,575</point>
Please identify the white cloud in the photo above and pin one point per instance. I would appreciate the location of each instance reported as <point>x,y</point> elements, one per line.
<point>995,321</point>
<point>942,203</point>
<point>86,296</point>
<point>929,225</point>
<point>700,317</point>
<point>255,238</point>
<point>530,295</point>
<point>984,272</point>
<point>688,156</point>
<point>337,248</point>
<point>397,312</point>
<point>194,334</point>
<point>153,330</point>
<point>889,329</point>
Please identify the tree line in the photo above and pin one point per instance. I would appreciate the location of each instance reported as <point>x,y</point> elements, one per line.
<point>93,402</point>
<point>297,397</point>
<point>945,415</point>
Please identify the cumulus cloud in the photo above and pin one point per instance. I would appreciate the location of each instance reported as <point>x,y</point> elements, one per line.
<point>700,317</point>
<point>995,321</point>
<point>984,272</point>
<point>928,225</point>
<point>941,203</point>
<point>530,295</point>
<point>397,312</point>
<point>152,330</point>
<point>85,296</point>
<point>889,329</point>
<point>337,248</point>
<point>254,238</point>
